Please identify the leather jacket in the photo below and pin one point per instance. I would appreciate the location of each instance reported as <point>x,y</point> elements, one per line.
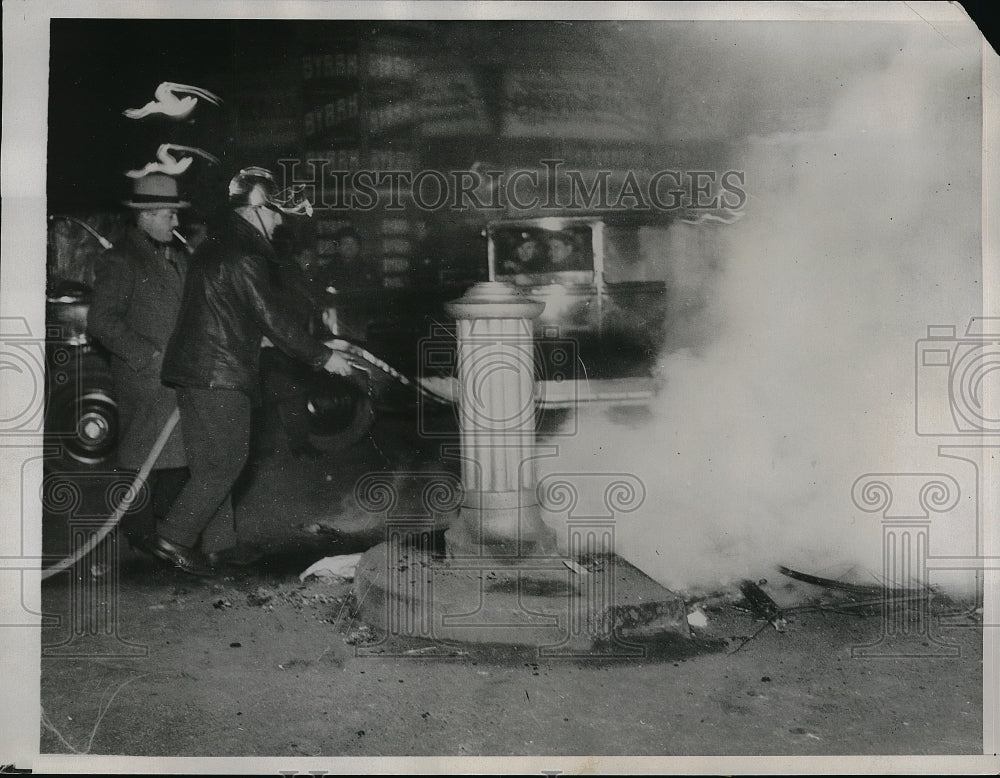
<point>231,300</point>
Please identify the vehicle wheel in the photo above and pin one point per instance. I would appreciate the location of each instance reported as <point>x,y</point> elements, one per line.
<point>339,414</point>
<point>81,415</point>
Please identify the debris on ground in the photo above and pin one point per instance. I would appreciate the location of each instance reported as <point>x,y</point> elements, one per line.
<point>436,650</point>
<point>578,569</point>
<point>762,605</point>
<point>262,595</point>
<point>697,619</point>
<point>856,599</point>
<point>866,590</point>
<point>362,635</point>
<point>864,599</point>
<point>596,563</point>
<point>320,528</point>
<point>327,600</point>
<point>341,567</point>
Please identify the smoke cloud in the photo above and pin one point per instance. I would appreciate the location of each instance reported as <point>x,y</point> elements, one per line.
<point>857,235</point>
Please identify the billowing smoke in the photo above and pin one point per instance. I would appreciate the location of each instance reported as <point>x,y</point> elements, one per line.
<point>856,237</point>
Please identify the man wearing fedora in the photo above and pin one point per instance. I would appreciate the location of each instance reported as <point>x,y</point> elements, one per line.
<point>231,302</point>
<point>137,293</point>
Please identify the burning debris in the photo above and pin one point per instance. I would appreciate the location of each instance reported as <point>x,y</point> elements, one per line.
<point>706,612</point>
<point>762,605</point>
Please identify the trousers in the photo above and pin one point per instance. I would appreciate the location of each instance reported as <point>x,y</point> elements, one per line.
<point>162,487</point>
<point>216,427</point>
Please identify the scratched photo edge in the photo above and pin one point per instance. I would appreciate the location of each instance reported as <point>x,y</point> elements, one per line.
<point>21,295</point>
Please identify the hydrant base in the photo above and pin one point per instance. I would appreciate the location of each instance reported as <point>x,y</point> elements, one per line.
<point>405,591</point>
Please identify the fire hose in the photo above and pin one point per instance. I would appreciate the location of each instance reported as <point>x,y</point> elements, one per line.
<point>360,360</point>
<point>367,367</point>
<point>364,362</point>
<point>124,504</point>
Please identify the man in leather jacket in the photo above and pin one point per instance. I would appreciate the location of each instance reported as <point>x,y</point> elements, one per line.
<point>285,381</point>
<point>213,358</point>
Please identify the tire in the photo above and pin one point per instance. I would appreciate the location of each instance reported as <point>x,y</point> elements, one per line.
<point>339,414</point>
<point>81,414</point>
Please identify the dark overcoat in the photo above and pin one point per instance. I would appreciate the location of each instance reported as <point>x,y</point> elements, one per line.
<point>138,290</point>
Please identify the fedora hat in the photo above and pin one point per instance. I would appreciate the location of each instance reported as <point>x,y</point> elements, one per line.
<point>155,190</point>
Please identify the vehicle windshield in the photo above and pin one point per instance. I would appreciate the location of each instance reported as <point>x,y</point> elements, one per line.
<point>632,255</point>
<point>534,250</point>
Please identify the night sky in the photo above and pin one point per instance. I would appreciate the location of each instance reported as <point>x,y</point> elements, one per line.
<point>706,85</point>
<point>98,68</point>
<point>701,83</point>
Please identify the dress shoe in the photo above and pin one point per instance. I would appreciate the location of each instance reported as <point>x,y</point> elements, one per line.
<point>240,555</point>
<point>185,559</point>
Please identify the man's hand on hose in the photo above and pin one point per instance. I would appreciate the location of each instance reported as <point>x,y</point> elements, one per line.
<point>338,365</point>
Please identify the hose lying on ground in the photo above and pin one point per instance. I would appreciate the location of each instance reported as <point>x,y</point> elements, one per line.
<point>154,453</point>
<point>124,504</point>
